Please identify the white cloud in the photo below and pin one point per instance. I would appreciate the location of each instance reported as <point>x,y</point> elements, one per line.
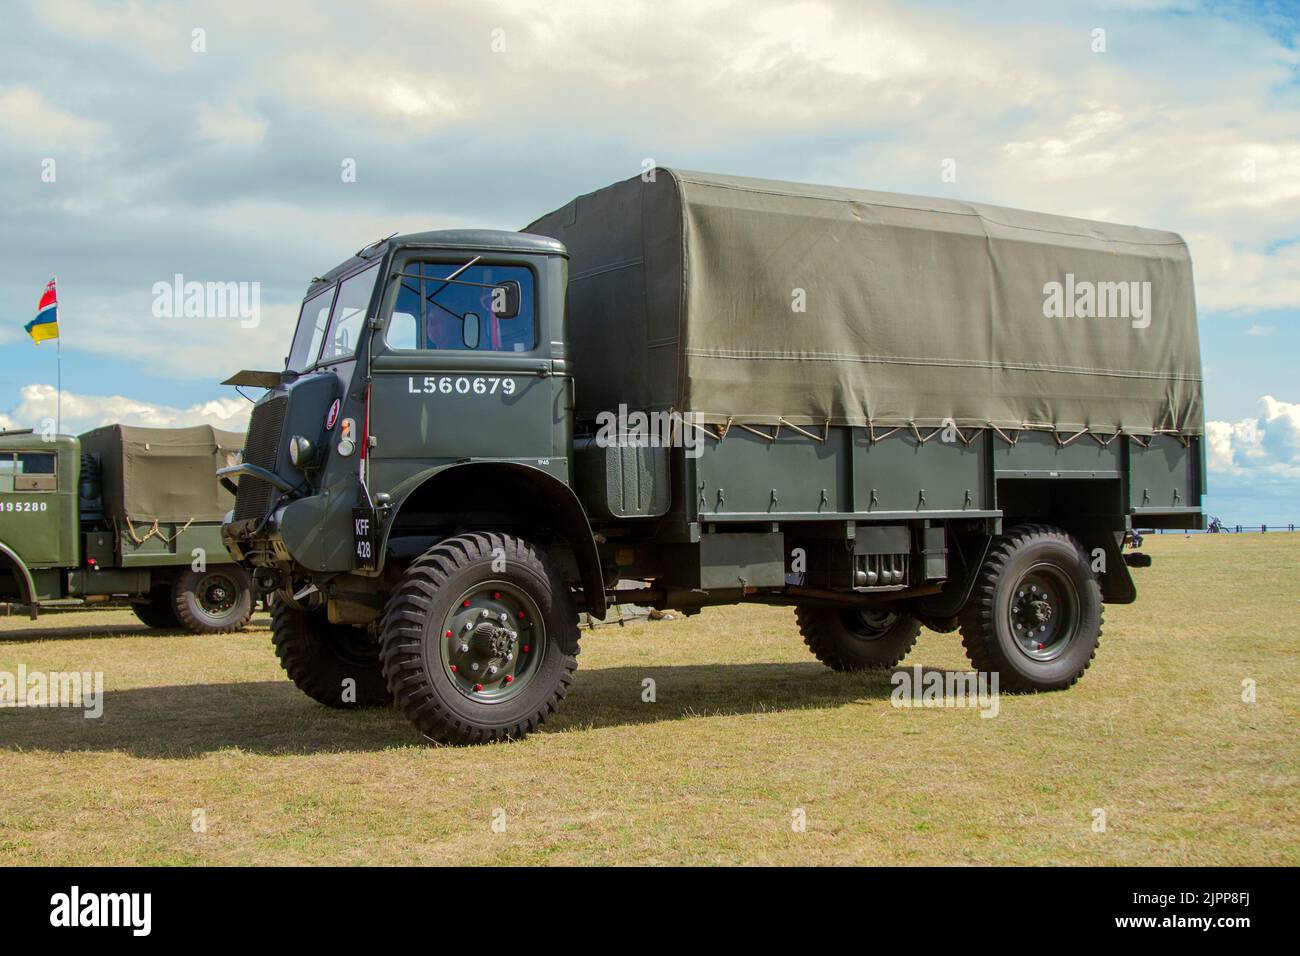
<point>230,125</point>
<point>1264,447</point>
<point>82,412</point>
<point>1233,277</point>
<point>381,91</point>
<point>26,116</point>
<point>160,33</point>
<point>210,349</point>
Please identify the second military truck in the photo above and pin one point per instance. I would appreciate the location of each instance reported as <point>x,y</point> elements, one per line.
<point>885,411</point>
<point>122,512</point>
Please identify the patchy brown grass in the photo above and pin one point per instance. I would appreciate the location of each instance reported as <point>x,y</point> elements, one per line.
<point>747,729</point>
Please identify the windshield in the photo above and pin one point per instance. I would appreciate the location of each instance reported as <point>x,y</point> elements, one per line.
<point>349,315</point>
<point>343,315</point>
<point>311,330</point>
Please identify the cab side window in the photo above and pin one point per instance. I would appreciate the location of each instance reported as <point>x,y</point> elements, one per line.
<point>8,466</point>
<point>35,471</point>
<point>435,311</point>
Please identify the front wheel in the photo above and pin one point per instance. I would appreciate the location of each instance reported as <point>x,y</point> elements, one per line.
<point>480,640</point>
<point>1034,616</point>
<point>852,639</point>
<point>334,664</point>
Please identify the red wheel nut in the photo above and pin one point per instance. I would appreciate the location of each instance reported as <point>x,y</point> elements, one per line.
<point>453,668</point>
<point>521,615</point>
<point>478,686</point>
<point>496,595</point>
<point>525,648</point>
<point>510,679</point>
<point>465,603</point>
<point>449,633</point>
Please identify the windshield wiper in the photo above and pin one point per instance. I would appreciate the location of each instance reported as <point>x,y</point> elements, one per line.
<point>446,281</point>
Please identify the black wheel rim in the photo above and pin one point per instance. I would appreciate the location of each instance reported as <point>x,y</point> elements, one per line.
<point>491,643</point>
<point>870,624</point>
<point>217,594</point>
<point>1042,612</point>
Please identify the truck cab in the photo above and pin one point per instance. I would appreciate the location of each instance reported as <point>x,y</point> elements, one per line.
<point>39,532</point>
<point>426,398</point>
<point>427,385</point>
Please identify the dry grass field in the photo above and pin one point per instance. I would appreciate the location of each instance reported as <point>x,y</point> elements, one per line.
<point>747,730</point>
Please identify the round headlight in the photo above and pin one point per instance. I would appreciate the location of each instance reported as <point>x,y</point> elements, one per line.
<point>300,451</point>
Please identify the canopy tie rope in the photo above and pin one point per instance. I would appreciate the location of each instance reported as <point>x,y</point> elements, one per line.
<point>154,531</point>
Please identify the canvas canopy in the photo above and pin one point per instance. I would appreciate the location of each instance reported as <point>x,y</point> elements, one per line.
<point>760,301</point>
<point>163,474</point>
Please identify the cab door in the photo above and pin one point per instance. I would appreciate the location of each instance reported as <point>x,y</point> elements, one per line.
<point>32,514</point>
<point>456,377</point>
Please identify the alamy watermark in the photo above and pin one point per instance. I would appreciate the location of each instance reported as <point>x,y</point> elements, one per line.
<point>133,911</point>
<point>921,688</point>
<point>1084,299</point>
<point>208,300</point>
<point>73,689</point>
<point>624,429</point>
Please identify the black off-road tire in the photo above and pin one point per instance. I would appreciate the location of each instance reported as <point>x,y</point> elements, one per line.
<point>157,611</point>
<point>988,622</point>
<point>851,640</point>
<point>196,614</point>
<point>429,592</point>
<point>320,657</point>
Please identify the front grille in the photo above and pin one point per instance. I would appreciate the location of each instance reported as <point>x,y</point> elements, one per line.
<point>261,448</point>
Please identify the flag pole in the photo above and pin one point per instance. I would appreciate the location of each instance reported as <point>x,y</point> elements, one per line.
<point>58,399</point>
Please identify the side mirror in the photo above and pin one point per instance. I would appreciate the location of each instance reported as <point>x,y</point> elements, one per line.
<point>505,299</point>
<point>470,330</point>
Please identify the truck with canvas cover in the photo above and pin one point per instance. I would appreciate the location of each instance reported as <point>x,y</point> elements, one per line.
<point>884,411</point>
<point>122,512</point>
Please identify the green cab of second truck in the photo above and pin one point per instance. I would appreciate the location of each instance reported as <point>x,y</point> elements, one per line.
<point>433,501</point>
<point>61,545</point>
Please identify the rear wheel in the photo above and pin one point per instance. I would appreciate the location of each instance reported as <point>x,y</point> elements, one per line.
<point>1035,613</point>
<point>213,601</point>
<point>852,639</point>
<point>157,610</point>
<point>480,640</point>
<point>334,664</point>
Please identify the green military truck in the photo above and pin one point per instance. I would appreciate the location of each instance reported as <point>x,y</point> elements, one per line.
<point>885,411</point>
<point>122,512</point>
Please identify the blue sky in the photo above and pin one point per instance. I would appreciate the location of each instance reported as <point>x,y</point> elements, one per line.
<point>223,163</point>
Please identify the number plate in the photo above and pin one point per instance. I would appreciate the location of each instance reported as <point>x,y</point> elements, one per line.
<point>363,538</point>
